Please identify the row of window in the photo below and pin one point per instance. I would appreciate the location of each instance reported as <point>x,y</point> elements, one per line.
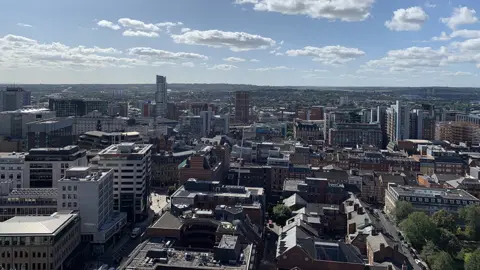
<point>11,168</point>
<point>437,200</point>
<point>35,266</point>
<point>69,204</point>
<point>64,188</point>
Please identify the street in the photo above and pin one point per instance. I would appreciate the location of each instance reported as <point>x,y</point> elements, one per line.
<point>393,231</point>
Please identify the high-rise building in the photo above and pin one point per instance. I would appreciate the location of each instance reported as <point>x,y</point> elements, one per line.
<point>132,170</point>
<point>77,107</point>
<point>14,98</point>
<point>91,193</point>
<point>161,96</point>
<point>398,122</point>
<point>242,106</point>
<point>45,166</point>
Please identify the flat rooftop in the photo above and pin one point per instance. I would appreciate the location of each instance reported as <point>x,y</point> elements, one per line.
<point>33,193</point>
<point>13,155</point>
<point>201,259</point>
<point>36,225</point>
<point>28,111</point>
<point>125,149</point>
<point>454,194</point>
<point>84,174</point>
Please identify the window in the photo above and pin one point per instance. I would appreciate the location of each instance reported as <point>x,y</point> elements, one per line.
<point>69,188</point>
<point>63,204</point>
<point>74,204</point>
<point>69,204</point>
<point>63,188</point>
<point>64,196</point>
<point>74,188</point>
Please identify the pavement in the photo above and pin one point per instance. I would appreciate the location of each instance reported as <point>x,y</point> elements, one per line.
<point>393,231</point>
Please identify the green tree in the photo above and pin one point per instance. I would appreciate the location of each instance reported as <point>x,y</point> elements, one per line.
<point>402,210</point>
<point>429,251</point>
<point>447,241</point>
<point>281,214</point>
<point>419,229</point>
<point>472,261</point>
<point>470,215</point>
<point>442,261</point>
<point>445,220</point>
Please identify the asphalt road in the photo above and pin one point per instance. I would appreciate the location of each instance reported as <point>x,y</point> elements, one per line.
<point>393,231</point>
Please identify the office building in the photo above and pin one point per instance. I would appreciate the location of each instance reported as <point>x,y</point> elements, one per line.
<point>398,122</point>
<point>429,200</point>
<point>77,107</point>
<point>45,166</point>
<point>28,202</point>
<point>165,170</point>
<point>205,124</point>
<point>161,97</point>
<point>39,242</point>
<point>14,123</point>
<point>91,194</point>
<point>53,132</point>
<point>132,170</point>
<point>458,132</point>
<point>242,107</point>
<point>204,165</point>
<point>308,131</point>
<point>96,121</point>
<point>100,140</point>
<point>12,167</point>
<point>353,134</point>
<point>14,98</point>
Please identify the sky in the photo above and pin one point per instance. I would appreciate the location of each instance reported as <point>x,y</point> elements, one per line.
<point>261,42</point>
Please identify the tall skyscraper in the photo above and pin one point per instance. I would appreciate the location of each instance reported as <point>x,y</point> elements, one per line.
<point>161,96</point>
<point>242,106</point>
<point>398,122</point>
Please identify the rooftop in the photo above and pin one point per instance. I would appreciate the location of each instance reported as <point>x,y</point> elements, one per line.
<point>159,253</point>
<point>84,174</point>
<point>36,225</point>
<point>457,194</point>
<point>29,111</point>
<point>125,149</point>
<point>33,193</point>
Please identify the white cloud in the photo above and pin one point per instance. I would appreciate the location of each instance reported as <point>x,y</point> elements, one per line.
<point>138,25</point>
<point>430,5</point>
<point>234,59</point>
<point>24,25</point>
<point>254,60</point>
<point>410,19</point>
<point>330,55</point>
<point>161,54</point>
<point>279,54</point>
<point>458,73</point>
<point>236,41</point>
<point>162,63</point>
<point>185,29</point>
<point>108,24</point>
<point>460,16</point>
<point>20,52</point>
<point>468,45</point>
<point>271,68</point>
<point>168,25</point>
<point>465,33</point>
<point>443,37</point>
<point>188,64</point>
<point>344,10</point>
<point>246,2</point>
<point>133,33</point>
<point>400,60</point>
<point>222,67</point>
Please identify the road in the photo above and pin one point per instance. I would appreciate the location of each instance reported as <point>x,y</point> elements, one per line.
<point>393,231</point>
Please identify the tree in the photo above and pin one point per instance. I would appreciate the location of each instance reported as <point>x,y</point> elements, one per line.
<point>472,262</point>
<point>419,229</point>
<point>402,210</point>
<point>429,251</point>
<point>447,241</point>
<point>445,220</point>
<point>470,215</point>
<point>281,214</point>
<point>442,261</point>
<point>171,190</point>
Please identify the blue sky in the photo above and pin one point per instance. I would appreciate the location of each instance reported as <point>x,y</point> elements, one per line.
<point>265,42</point>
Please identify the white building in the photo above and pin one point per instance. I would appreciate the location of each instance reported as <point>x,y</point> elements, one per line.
<point>398,122</point>
<point>12,168</point>
<point>45,166</point>
<point>43,241</point>
<point>91,193</point>
<point>132,169</point>
<point>99,122</point>
<point>14,123</point>
<point>161,96</point>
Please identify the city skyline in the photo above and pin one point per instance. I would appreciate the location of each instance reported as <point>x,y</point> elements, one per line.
<point>262,42</point>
